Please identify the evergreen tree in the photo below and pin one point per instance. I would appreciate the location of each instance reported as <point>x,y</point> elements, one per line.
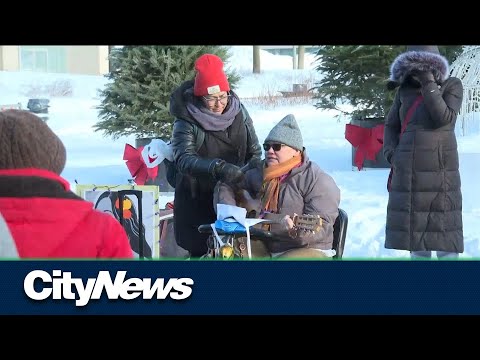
<point>357,75</point>
<point>136,99</point>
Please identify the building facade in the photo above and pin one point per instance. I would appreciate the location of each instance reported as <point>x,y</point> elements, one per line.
<point>288,49</point>
<point>85,60</point>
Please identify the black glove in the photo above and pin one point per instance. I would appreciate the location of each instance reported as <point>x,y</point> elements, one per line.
<point>253,163</point>
<point>228,173</point>
<point>424,77</point>
<point>392,85</point>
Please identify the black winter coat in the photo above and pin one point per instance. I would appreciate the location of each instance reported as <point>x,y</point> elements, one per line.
<point>424,210</point>
<point>195,181</point>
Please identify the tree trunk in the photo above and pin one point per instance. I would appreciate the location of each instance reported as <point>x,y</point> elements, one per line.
<point>294,56</point>
<point>301,57</point>
<point>110,66</point>
<point>256,59</point>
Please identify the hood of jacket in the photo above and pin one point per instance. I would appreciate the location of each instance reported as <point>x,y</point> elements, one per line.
<point>410,61</point>
<point>179,99</point>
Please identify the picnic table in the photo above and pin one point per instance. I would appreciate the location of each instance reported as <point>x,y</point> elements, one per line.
<point>297,90</point>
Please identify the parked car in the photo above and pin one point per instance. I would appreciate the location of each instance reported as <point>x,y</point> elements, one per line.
<point>38,106</point>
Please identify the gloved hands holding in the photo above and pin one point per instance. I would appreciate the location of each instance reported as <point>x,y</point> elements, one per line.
<point>228,173</point>
<point>423,77</point>
<point>252,164</point>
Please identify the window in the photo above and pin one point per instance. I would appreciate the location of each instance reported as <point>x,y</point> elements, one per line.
<point>43,58</point>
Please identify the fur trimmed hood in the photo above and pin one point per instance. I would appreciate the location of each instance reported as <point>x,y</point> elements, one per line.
<point>409,61</point>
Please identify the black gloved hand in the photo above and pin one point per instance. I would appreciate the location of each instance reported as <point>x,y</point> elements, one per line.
<point>229,173</point>
<point>253,163</point>
<point>424,77</point>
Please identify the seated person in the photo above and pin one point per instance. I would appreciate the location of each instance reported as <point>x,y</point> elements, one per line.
<point>284,184</point>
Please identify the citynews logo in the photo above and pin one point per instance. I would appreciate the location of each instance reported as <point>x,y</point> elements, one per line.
<point>60,284</point>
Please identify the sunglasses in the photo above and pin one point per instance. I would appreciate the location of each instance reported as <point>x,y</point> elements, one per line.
<point>275,147</point>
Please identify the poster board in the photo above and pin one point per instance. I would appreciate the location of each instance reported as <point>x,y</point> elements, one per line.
<point>104,198</point>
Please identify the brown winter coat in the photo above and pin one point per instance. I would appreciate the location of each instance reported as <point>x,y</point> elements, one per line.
<point>306,190</point>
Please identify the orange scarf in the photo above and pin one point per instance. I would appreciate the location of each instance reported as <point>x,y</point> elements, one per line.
<point>271,182</point>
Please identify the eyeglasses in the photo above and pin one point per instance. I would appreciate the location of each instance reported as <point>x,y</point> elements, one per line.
<point>275,147</point>
<point>212,100</point>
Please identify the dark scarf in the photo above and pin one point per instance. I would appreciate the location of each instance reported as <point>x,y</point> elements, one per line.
<point>211,121</point>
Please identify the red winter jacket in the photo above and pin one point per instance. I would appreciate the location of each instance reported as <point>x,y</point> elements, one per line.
<point>47,220</point>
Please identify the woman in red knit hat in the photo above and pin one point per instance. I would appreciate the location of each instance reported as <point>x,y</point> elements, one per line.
<point>206,108</point>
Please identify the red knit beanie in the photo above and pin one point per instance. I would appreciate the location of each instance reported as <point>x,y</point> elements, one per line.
<point>210,78</point>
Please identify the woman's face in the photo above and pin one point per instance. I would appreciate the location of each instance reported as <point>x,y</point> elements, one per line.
<point>276,153</point>
<point>216,102</point>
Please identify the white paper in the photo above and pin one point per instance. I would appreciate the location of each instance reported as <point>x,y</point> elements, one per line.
<point>232,213</point>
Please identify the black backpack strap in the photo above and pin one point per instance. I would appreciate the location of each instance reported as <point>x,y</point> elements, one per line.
<point>245,117</point>
<point>200,138</point>
<point>244,113</point>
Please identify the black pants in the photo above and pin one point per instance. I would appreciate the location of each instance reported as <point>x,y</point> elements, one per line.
<point>189,214</point>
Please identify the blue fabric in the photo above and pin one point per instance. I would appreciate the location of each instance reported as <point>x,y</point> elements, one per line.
<point>230,227</point>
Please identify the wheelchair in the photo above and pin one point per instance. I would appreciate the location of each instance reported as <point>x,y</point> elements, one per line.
<point>226,245</point>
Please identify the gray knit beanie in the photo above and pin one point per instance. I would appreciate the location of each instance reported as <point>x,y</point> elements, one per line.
<point>26,141</point>
<point>286,132</point>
